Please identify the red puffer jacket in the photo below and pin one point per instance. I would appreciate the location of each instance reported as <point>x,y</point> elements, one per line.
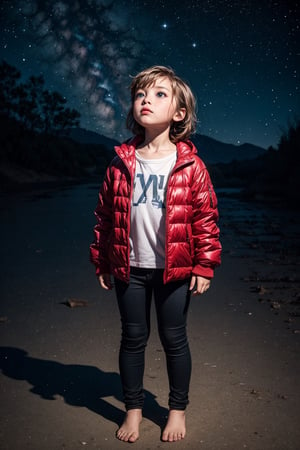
<point>192,235</point>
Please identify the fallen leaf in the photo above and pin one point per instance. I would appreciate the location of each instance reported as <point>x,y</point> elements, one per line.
<point>275,305</point>
<point>74,303</point>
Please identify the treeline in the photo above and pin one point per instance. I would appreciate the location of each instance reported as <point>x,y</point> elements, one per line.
<point>33,126</point>
<point>274,176</point>
<point>31,105</point>
<point>279,175</point>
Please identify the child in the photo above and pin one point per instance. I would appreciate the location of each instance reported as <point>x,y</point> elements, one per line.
<point>156,234</point>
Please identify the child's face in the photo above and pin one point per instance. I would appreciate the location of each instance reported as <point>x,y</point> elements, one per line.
<point>155,105</point>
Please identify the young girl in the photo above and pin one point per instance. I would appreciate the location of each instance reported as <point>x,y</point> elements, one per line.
<point>156,234</point>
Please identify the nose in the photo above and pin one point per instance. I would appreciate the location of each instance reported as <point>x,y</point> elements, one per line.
<point>146,99</point>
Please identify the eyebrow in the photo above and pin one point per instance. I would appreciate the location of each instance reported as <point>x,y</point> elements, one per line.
<point>162,87</point>
<point>156,87</point>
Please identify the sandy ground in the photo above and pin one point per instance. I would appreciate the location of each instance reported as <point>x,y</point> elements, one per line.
<point>60,387</point>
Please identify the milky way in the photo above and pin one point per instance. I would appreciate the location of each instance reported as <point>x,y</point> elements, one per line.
<point>86,49</point>
<point>241,58</point>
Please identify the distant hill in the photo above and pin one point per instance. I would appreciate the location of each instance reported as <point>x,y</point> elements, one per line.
<point>209,149</point>
<point>213,151</point>
<point>90,137</point>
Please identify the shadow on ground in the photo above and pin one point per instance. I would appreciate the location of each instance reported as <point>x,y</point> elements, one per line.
<point>78,385</point>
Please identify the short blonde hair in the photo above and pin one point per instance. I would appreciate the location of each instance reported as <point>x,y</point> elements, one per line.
<point>179,131</point>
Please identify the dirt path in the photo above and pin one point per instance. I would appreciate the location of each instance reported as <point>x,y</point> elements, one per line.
<point>60,387</point>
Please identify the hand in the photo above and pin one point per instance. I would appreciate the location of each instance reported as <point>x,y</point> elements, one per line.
<point>199,285</point>
<point>105,281</point>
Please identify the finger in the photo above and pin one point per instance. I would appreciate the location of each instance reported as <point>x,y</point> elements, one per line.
<point>105,282</point>
<point>201,287</point>
<point>192,283</point>
<point>196,292</point>
<point>103,285</point>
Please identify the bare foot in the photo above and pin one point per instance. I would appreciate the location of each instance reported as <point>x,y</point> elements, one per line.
<point>175,429</point>
<point>129,430</point>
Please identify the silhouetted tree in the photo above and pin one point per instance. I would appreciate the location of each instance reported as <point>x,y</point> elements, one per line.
<point>28,110</point>
<point>57,117</point>
<point>278,176</point>
<point>36,108</point>
<point>68,118</point>
<point>9,77</point>
<point>289,146</point>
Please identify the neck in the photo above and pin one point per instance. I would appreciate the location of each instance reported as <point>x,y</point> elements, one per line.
<point>155,142</point>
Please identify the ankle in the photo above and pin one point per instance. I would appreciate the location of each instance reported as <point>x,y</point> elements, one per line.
<point>134,412</point>
<point>179,412</point>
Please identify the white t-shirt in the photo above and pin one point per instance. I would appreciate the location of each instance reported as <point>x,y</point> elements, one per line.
<point>148,211</point>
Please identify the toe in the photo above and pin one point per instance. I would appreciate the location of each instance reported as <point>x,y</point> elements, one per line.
<point>133,437</point>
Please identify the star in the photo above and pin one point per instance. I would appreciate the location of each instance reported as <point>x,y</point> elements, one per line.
<point>93,54</point>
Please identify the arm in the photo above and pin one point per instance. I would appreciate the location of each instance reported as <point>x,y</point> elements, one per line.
<point>207,247</point>
<point>103,227</point>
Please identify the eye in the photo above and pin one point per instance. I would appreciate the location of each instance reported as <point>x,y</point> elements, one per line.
<point>139,94</point>
<point>161,94</point>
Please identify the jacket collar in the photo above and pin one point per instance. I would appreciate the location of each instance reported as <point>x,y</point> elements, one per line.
<point>127,149</point>
<point>185,149</point>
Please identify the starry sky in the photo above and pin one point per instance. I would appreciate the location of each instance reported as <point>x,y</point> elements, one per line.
<point>240,57</point>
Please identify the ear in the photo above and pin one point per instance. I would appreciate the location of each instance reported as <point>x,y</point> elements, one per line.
<point>179,115</point>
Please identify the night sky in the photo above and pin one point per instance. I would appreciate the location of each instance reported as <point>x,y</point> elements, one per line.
<point>240,57</point>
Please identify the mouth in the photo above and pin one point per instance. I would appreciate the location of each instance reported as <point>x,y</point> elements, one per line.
<point>146,111</point>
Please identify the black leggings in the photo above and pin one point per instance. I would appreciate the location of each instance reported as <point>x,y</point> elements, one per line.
<point>172,303</point>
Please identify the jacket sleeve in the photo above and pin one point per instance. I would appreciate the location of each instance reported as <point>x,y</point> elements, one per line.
<point>207,246</point>
<point>103,227</point>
